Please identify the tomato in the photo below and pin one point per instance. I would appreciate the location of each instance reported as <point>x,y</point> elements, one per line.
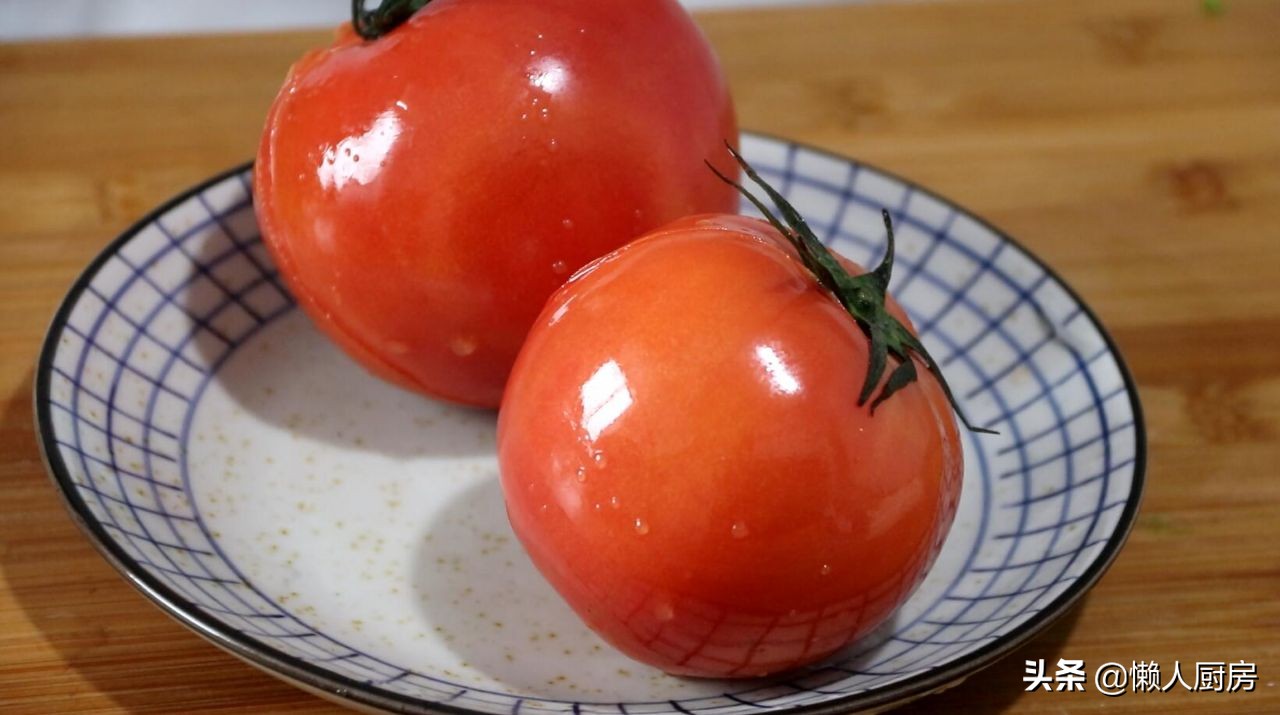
<point>684,457</point>
<point>423,193</point>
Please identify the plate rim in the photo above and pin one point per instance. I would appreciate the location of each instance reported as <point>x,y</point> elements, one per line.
<point>339,687</point>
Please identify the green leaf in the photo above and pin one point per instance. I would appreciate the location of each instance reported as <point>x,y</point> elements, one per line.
<point>901,376</point>
<point>372,24</point>
<point>863,297</point>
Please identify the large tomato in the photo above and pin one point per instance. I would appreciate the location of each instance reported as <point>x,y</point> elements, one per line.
<point>423,193</point>
<point>684,457</point>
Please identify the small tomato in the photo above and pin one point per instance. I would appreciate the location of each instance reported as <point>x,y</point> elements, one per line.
<point>688,454</point>
<point>423,193</point>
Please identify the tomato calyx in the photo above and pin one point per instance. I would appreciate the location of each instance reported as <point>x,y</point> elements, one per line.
<point>862,296</point>
<point>372,24</point>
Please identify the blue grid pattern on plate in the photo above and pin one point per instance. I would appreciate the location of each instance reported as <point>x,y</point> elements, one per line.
<point>160,316</point>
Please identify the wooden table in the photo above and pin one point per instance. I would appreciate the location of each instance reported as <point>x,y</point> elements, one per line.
<point>1134,144</point>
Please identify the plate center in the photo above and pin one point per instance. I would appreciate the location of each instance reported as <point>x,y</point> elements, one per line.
<point>374,517</point>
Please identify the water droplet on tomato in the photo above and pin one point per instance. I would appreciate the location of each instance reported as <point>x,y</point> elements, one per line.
<point>544,508</point>
<point>825,570</point>
<point>615,502</point>
<point>581,474</point>
<point>641,527</point>
<point>599,458</point>
<point>559,267</point>
<point>544,113</point>
<point>739,530</point>
<point>355,157</point>
<point>553,144</point>
<point>568,224</point>
<point>463,345</point>
<point>664,611</point>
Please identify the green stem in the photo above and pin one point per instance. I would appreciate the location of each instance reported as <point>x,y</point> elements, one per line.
<point>372,24</point>
<point>863,297</point>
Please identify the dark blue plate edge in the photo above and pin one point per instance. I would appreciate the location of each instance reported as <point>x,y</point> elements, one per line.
<point>313,677</point>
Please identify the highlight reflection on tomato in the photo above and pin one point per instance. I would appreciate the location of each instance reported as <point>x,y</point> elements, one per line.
<point>684,456</point>
<point>425,192</point>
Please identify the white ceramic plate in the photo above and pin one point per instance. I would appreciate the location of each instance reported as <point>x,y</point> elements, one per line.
<point>350,537</point>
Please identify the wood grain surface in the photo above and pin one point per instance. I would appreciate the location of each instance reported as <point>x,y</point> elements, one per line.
<point>1133,144</point>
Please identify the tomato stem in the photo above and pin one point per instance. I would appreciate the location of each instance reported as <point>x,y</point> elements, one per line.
<point>372,24</point>
<point>862,296</point>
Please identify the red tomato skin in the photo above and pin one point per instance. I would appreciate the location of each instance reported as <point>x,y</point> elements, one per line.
<point>683,458</point>
<point>423,194</point>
